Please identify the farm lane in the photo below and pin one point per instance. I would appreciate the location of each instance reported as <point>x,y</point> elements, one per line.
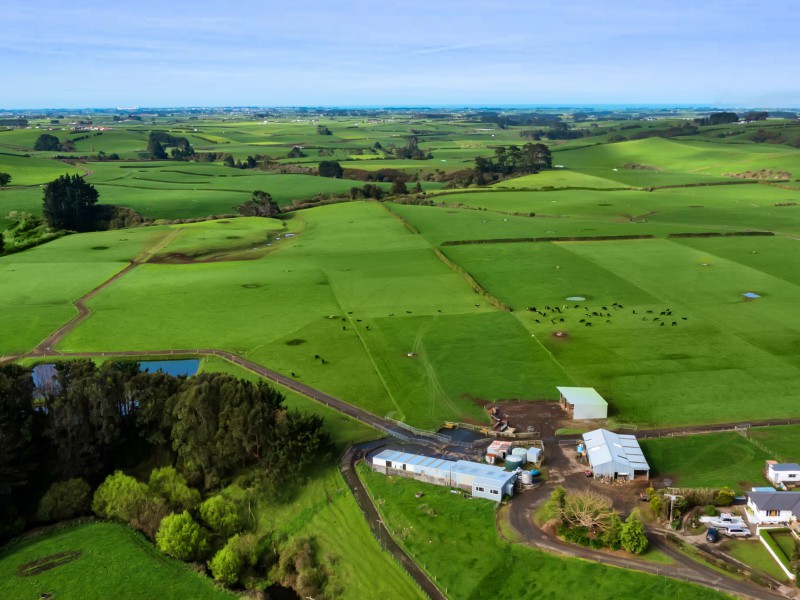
<point>347,466</point>
<point>84,312</point>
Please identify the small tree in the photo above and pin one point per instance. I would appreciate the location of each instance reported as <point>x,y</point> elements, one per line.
<point>330,168</point>
<point>171,485</point>
<point>227,564</point>
<point>633,536</point>
<point>182,538</point>
<point>555,504</point>
<point>124,498</point>
<point>69,203</point>
<point>724,497</point>
<point>399,188</point>
<point>47,143</point>
<point>323,130</point>
<point>586,509</point>
<point>65,500</point>
<point>5,179</point>
<point>260,204</point>
<point>222,516</point>
<point>612,536</point>
<point>656,505</point>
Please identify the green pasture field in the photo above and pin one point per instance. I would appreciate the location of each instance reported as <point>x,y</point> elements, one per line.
<point>115,562</point>
<point>32,171</point>
<point>723,354</point>
<point>361,292</point>
<point>455,540</point>
<point>38,287</point>
<point>711,460</point>
<point>242,237</point>
<point>557,178</point>
<point>783,441</point>
<point>675,162</point>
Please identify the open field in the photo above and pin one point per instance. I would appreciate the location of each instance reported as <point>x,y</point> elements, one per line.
<point>114,562</point>
<point>783,441</point>
<point>714,460</point>
<point>371,292</point>
<point>438,528</point>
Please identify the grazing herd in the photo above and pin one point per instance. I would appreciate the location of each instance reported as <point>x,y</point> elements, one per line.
<point>555,314</point>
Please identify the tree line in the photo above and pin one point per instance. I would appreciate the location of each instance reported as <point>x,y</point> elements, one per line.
<point>90,420</point>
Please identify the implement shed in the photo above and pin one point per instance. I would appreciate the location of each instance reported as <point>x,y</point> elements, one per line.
<point>583,403</point>
<point>613,455</point>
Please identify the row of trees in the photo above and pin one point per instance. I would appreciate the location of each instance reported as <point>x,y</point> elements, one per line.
<point>531,158</point>
<point>92,420</point>
<point>158,141</point>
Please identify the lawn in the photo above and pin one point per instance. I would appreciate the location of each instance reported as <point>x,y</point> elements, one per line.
<point>33,170</point>
<point>713,460</point>
<point>753,553</point>
<point>455,541</point>
<point>115,562</point>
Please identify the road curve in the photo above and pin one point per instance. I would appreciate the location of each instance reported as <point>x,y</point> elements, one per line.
<point>522,507</point>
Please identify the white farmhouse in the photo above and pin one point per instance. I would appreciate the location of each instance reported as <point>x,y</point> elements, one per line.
<point>783,473</point>
<point>772,508</point>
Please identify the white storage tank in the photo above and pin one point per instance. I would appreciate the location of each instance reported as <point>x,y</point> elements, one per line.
<point>526,478</point>
<point>523,452</point>
<point>534,455</point>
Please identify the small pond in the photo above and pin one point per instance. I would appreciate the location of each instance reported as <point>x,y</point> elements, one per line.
<point>176,368</point>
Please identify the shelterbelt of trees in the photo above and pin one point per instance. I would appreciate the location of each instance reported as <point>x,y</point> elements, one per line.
<point>91,421</point>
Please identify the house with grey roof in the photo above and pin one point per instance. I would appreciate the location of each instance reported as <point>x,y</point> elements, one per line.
<point>773,507</point>
<point>787,474</point>
<point>614,455</point>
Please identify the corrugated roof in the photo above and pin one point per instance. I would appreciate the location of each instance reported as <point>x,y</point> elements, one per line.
<point>486,472</point>
<point>777,501</point>
<point>582,395</point>
<point>785,467</point>
<point>605,446</point>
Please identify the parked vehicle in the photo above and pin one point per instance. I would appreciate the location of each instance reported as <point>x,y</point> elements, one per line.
<point>738,532</point>
<point>712,535</point>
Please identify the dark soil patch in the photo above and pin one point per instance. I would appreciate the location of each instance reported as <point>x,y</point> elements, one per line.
<point>295,342</point>
<point>233,237</point>
<point>99,247</point>
<point>47,563</point>
<point>251,286</point>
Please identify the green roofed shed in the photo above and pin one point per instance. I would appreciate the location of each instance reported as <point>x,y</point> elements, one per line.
<point>583,403</point>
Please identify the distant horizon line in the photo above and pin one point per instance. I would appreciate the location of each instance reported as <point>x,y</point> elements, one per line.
<point>451,106</point>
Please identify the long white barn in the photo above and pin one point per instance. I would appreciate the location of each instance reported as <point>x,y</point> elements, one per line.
<point>482,481</point>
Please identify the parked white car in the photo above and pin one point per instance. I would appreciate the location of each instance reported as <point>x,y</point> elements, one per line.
<point>737,532</point>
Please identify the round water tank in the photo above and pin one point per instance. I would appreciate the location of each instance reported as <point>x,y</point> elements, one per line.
<point>526,478</point>
<point>513,462</point>
<point>519,452</point>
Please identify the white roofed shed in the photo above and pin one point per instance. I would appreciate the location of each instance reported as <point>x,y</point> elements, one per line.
<point>613,455</point>
<point>583,403</point>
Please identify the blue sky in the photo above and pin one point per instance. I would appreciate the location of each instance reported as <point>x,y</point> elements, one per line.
<point>352,52</point>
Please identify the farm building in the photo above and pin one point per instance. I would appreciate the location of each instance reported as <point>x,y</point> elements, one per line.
<point>613,455</point>
<point>482,481</point>
<point>497,451</point>
<point>770,508</point>
<point>783,473</point>
<point>583,403</point>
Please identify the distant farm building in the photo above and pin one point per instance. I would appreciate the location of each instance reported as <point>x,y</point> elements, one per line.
<point>787,474</point>
<point>583,403</point>
<point>482,481</point>
<point>772,508</point>
<point>613,455</point>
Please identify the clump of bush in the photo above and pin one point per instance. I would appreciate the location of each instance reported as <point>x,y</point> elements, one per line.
<point>65,500</point>
<point>180,536</point>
